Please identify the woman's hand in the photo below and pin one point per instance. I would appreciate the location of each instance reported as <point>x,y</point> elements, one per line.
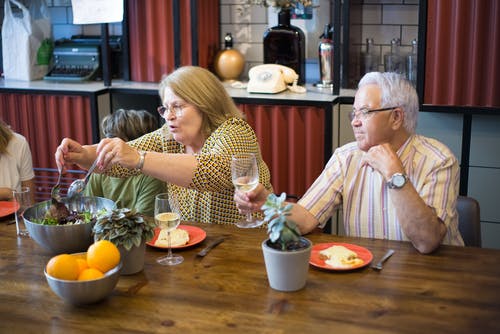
<point>115,151</point>
<point>71,152</point>
<point>251,201</point>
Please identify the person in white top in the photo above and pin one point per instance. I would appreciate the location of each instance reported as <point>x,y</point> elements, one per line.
<point>16,163</point>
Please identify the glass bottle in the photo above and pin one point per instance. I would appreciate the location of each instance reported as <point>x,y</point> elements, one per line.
<point>285,44</point>
<point>411,63</point>
<point>370,58</point>
<point>393,61</point>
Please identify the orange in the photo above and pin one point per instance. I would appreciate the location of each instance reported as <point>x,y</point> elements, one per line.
<point>103,255</point>
<point>63,266</point>
<point>82,264</point>
<point>89,274</point>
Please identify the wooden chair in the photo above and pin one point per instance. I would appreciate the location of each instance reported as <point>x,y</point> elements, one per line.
<point>469,222</point>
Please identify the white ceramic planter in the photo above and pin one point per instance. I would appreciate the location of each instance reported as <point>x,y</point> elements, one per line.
<point>287,271</point>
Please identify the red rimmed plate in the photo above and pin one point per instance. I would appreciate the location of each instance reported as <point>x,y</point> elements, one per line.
<point>7,208</point>
<point>363,253</point>
<point>196,235</point>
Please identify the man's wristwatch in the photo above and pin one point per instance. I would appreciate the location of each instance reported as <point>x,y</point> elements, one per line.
<point>398,180</point>
<point>142,155</point>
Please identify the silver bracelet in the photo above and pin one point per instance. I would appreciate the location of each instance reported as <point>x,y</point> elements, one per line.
<point>142,156</point>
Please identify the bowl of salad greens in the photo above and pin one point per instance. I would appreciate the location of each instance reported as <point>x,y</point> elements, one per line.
<point>70,232</point>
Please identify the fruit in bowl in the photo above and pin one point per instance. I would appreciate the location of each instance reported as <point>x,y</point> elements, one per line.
<point>70,237</point>
<point>85,278</point>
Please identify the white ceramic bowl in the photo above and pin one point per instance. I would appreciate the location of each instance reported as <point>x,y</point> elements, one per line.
<point>65,238</point>
<point>85,292</point>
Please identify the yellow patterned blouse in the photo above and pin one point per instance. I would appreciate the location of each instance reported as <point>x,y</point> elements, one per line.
<point>209,197</point>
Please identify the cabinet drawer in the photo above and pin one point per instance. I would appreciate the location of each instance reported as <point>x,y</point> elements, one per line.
<point>447,128</point>
<point>490,235</point>
<point>292,141</point>
<point>484,185</point>
<point>485,141</point>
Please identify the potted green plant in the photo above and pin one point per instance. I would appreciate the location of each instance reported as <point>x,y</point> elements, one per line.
<point>286,252</point>
<point>129,231</point>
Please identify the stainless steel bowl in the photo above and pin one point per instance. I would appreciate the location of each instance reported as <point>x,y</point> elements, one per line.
<point>65,238</point>
<point>85,292</point>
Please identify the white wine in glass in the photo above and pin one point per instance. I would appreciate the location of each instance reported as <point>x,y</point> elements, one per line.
<point>167,217</point>
<point>245,176</point>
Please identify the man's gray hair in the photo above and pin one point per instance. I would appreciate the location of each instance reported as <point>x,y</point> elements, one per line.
<point>396,91</point>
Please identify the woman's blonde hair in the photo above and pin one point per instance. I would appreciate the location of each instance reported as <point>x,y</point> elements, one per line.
<point>128,124</point>
<point>5,136</point>
<point>202,89</point>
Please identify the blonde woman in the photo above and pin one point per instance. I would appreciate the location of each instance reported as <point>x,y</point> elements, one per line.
<point>191,152</point>
<point>16,163</point>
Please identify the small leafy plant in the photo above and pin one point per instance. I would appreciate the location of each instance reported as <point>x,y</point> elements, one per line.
<point>123,227</point>
<point>283,233</point>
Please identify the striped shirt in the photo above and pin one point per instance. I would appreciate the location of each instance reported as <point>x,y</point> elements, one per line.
<point>210,196</point>
<point>363,193</point>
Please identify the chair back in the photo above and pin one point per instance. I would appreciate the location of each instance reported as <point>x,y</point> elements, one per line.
<point>469,223</point>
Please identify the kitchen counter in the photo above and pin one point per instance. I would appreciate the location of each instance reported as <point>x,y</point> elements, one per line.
<point>313,94</point>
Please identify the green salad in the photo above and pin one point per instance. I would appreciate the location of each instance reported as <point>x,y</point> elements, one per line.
<point>72,218</point>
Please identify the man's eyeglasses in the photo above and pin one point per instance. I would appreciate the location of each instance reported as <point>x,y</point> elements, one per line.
<point>363,113</point>
<point>177,110</point>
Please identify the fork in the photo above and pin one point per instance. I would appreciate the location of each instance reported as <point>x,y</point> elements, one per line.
<point>54,193</point>
<point>384,258</point>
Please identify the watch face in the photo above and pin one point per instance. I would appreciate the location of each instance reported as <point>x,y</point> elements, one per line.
<point>398,180</point>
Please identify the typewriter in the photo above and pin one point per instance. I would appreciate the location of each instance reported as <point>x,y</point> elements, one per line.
<point>75,62</point>
<point>79,59</point>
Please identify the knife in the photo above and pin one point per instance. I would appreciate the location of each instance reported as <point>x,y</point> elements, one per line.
<point>211,245</point>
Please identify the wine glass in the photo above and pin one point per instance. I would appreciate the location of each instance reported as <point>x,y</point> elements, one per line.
<point>23,199</point>
<point>167,218</point>
<point>245,176</point>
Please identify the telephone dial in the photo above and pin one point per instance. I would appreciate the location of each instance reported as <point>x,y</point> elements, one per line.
<point>273,78</point>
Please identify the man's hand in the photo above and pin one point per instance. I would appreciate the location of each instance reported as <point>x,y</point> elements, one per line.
<point>251,201</point>
<point>384,159</point>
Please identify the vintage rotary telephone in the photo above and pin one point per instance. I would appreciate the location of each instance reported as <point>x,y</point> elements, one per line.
<point>273,78</point>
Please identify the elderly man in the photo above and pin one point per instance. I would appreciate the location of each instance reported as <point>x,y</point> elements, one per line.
<point>391,183</point>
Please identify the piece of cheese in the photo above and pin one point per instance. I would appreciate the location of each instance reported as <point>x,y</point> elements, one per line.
<point>340,257</point>
<point>178,237</point>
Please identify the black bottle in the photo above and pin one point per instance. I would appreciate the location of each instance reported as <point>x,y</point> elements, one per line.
<point>285,44</point>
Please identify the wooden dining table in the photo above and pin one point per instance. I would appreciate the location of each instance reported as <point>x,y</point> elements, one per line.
<point>454,290</point>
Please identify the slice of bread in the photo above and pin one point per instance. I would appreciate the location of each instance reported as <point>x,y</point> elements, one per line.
<point>179,237</point>
<point>340,257</point>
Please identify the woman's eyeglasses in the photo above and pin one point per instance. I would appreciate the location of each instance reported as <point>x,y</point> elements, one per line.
<point>177,110</point>
<point>364,113</point>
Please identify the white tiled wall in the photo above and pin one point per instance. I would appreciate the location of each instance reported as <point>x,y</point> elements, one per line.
<point>381,19</point>
<point>384,20</point>
<point>61,15</point>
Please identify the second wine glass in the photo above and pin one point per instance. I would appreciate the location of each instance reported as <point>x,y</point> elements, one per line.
<point>167,217</point>
<point>245,176</point>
